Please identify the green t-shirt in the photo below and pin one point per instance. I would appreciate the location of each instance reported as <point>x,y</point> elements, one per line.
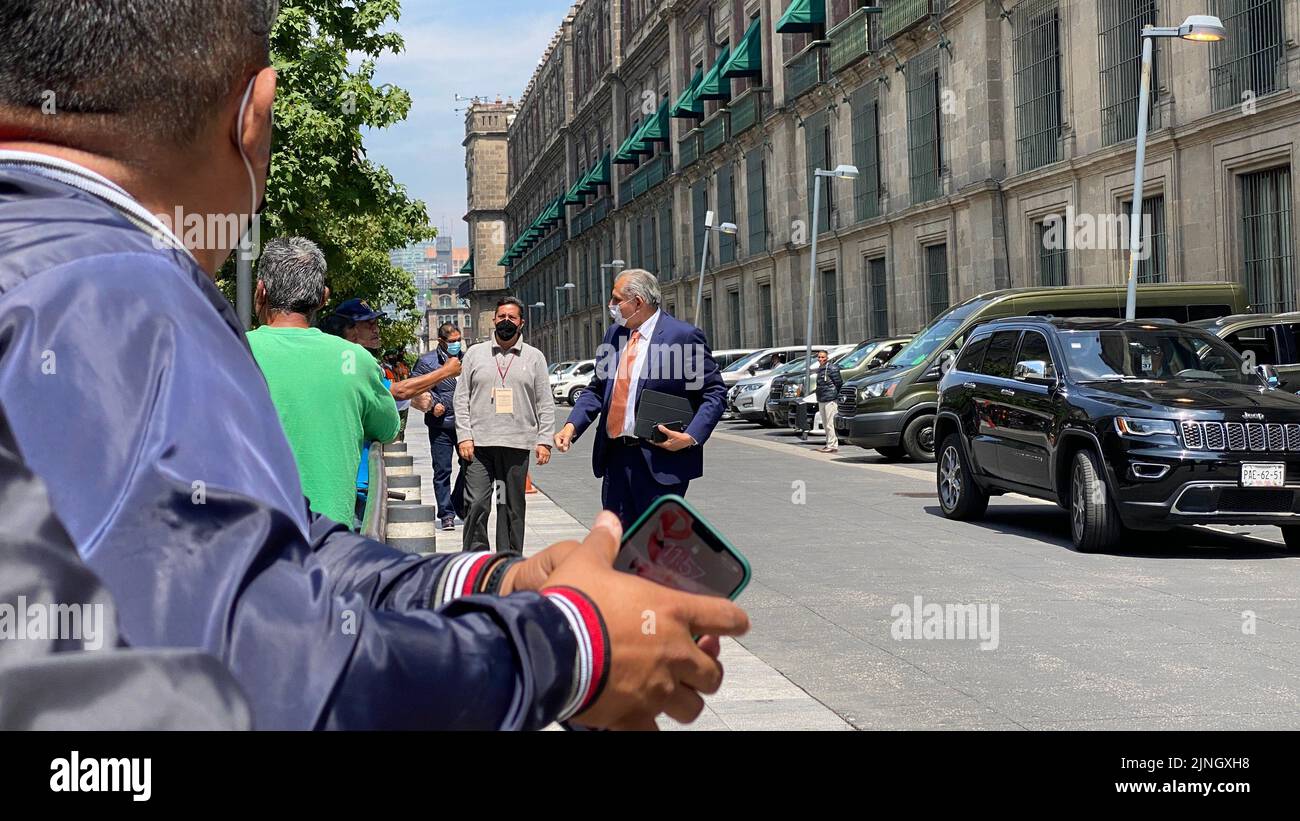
<point>331,400</point>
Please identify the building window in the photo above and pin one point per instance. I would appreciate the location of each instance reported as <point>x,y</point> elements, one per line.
<point>1153,268</point>
<point>1038,82</point>
<point>816,132</point>
<point>878,299</point>
<point>734,316</point>
<point>830,309</point>
<point>707,319</point>
<point>649,244</point>
<point>1251,62</point>
<point>866,152</point>
<point>634,230</point>
<point>1052,251</point>
<point>726,211</point>
<point>1120,25</point>
<point>936,274</point>
<point>666,261</point>
<point>756,194</point>
<point>765,315</point>
<point>1267,240</point>
<point>699,207</point>
<point>924,143</point>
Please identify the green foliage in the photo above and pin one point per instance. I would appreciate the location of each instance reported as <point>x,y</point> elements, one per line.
<point>322,186</point>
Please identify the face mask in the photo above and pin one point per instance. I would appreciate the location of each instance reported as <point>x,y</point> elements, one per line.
<point>617,315</point>
<point>248,166</point>
<point>506,329</point>
<point>453,348</point>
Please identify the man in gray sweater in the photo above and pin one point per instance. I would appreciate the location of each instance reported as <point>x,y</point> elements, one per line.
<point>504,413</point>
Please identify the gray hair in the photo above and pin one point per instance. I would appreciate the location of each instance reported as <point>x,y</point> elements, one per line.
<point>293,271</point>
<point>155,69</point>
<point>638,282</point>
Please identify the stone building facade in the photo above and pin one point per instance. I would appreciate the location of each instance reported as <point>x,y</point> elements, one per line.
<point>486,174</point>
<point>994,142</point>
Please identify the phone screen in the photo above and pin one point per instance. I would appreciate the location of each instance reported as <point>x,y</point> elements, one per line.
<point>675,548</point>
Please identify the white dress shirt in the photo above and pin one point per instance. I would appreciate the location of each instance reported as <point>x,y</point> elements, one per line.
<point>646,331</point>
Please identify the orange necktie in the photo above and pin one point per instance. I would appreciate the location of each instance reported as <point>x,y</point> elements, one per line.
<point>622,386</point>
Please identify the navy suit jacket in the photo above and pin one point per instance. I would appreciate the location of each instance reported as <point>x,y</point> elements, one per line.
<point>679,363</point>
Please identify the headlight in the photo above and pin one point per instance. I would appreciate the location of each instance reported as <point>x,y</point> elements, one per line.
<point>748,388</point>
<point>1132,428</point>
<point>878,389</point>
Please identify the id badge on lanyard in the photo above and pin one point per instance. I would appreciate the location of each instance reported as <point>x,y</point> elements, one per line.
<point>503,398</point>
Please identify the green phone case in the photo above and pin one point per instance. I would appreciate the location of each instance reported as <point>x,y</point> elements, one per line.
<point>699,519</point>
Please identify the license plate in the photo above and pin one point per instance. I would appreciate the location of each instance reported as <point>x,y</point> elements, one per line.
<point>1263,475</point>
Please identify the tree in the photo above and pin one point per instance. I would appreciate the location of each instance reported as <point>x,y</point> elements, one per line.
<point>321,185</point>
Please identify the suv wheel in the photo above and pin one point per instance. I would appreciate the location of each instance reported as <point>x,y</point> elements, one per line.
<point>918,438</point>
<point>959,496</point>
<point>1094,520</point>
<point>574,394</point>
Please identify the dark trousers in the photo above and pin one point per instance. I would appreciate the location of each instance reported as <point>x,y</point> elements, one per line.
<point>506,468</point>
<point>630,488</point>
<point>442,449</point>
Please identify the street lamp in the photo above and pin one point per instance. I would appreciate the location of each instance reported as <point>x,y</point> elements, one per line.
<point>1200,28</point>
<point>843,172</point>
<point>604,290</point>
<point>727,229</point>
<point>568,286</point>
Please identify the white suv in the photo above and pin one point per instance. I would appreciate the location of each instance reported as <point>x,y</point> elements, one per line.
<point>568,385</point>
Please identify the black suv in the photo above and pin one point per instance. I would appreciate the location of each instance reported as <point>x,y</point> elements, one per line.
<point>1128,425</point>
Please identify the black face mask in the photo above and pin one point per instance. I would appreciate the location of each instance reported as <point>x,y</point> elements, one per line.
<point>506,329</point>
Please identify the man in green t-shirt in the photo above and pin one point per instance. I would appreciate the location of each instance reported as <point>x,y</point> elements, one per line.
<point>329,392</point>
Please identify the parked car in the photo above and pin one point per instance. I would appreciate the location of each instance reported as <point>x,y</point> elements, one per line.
<point>751,394</point>
<point>559,368</point>
<point>1139,425</point>
<point>892,409</point>
<point>1267,339</point>
<point>869,355</point>
<point>727,357</point>
<point>568,385</point>
<point>760,363</point>
<point>788,386</point>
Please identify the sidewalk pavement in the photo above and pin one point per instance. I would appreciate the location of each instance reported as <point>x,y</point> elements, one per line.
<point>754,696</point>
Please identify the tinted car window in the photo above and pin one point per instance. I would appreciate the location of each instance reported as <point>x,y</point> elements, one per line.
<point>973,355</point>
<point>1260,342</point>
<point>583,370</point>
<point>1034,347</point>
<point>1001,354</point>
<point>1175,354</point>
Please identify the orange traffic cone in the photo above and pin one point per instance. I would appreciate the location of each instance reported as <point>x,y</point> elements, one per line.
<point>528,483</point>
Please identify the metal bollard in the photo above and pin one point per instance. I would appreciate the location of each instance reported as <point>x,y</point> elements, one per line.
<point>410,485</point>
<point>412,528</point>
<point>399,465</point>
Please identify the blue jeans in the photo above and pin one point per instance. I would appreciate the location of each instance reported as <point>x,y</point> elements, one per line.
<point>442,447</point>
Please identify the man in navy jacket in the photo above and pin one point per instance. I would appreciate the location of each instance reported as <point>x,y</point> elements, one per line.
<point>132,395</point>
<point>645,349</point>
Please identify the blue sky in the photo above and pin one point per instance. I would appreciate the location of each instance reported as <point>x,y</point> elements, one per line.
<point>466,47</point>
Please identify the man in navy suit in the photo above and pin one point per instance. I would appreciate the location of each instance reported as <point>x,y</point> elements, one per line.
<point>645,349</point>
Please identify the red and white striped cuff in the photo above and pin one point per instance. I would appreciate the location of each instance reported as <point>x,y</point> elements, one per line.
<point>461,577</point>
<point>591,665</point>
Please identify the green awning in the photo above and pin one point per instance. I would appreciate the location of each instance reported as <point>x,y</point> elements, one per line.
<point>802,17</point>
<point>657,130</point>
<point>627,153</point>
<point>747,59</point>
<point>713,86</point>
<point>468,267</point>
<point>576,196</point>
<point>688,106</point>
<point>594,178</point>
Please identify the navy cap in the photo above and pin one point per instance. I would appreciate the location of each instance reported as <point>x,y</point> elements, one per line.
<point>357,310</point>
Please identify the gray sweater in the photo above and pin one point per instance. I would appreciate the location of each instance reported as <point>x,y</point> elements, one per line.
<point>532,422</point>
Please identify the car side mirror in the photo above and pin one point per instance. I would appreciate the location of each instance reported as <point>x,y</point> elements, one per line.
<point>1034,371</point>
<point>753,369</point>
<point>1269,375</point>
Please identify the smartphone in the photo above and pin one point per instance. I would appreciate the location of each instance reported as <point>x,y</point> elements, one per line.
<point>674,545</point>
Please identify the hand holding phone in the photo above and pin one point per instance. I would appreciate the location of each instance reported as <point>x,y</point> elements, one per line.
<point>673,545</point>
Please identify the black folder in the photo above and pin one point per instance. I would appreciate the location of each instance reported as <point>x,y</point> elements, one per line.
<point>654,408</point>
